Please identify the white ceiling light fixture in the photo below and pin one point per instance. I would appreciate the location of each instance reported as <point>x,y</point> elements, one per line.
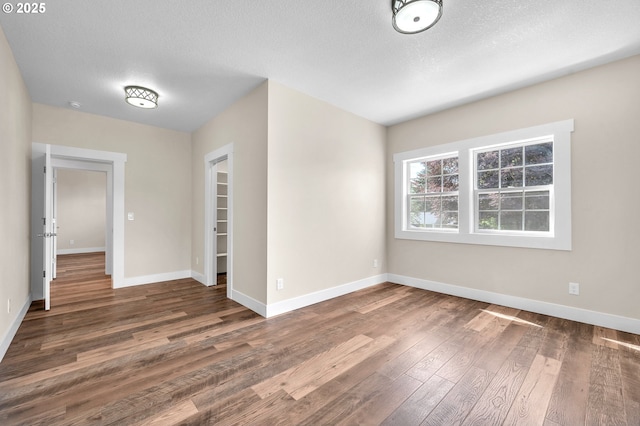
<point>141,97</point>
<point>414,16</point>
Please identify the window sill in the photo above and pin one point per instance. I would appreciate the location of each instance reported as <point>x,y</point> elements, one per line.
<point>558,242</point>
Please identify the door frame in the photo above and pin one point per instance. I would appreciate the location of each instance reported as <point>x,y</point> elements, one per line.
<point>115,162</point>
<point>210,161</point>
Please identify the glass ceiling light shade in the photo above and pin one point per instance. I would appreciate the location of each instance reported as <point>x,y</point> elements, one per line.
<point>414,16</point>
<point>141,97</point>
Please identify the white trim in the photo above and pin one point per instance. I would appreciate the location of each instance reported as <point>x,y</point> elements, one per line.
<point>81,250</point>
<point>11,333</point>
<point>82,153</point>
<point>289,305</point>
<point>561,238</point>
<point>322,295</point>
<point>249,302</point>
<point>616,322</point>
<point>155,278</point>
<point>115,184</point>
<point>198,277</point>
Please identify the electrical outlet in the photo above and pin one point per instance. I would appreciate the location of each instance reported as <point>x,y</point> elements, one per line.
<point>574,289</point>
<point>197,260</point>
<point>375,263</point>
<point>71,242</point>
<point>8,306</point>
<point>279,284</point>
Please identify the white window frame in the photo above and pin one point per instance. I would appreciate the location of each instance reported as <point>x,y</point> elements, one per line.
<point>454,193</point>
<point>559,237</point>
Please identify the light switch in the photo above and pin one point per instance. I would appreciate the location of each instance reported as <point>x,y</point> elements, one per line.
<point>130,216</point>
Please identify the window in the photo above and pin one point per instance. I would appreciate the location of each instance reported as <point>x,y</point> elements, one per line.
<point>433,193</point>
<point>513,186</point>
<point>511,189</point>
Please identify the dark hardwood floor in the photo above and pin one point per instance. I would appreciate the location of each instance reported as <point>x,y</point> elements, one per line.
<point>181,353</point>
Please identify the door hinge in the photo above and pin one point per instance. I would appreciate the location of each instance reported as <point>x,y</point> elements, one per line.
<point>44,220</point>
<point>44,274</point>
<point>45,169</point>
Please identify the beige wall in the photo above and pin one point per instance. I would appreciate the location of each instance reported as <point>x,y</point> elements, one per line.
<point>245,125</point>
<point>15,188</point>
<point>157,182</point>
<point>81,209</point>
<point>605,148</point>
<point>326,214</point>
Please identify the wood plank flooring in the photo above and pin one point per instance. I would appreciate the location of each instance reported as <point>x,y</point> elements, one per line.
<point>181,353</point>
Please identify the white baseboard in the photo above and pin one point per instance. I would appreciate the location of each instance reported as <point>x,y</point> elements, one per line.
<point>630,325</point>
<point>81,250</point>
<point>249,302</point>
<point>289,305</point>
<point>322,295</point>
<point>601,319</point>
<point>6,340</point>
<point>156,278</point>
<point>198,277</point>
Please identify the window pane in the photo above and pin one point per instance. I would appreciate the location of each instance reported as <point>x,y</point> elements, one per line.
<point>416,215</point>
<point>488,160</point>
<point>450,203</point>
<point>488,201</point>
<point>511,157</point>
<point>434,167</point>
<point>538,200</point>
<point>539,175</point>
<point>488,179</point>
<point>537,221</point>
<point>450,165</point>
<point>450,220</point>
<point>511,221</point>
<point>432,210</point>
<point>450,183</point>
<point>432,204</point>
<point>488,220</point>
<point>417,172</point>
<point>511,178</point>
<point>434,184</point>
<point>512,201</point>
<point>539,153</point>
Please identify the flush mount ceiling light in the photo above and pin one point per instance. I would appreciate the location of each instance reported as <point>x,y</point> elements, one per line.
<point>414,16</point>
<point>141,97</point>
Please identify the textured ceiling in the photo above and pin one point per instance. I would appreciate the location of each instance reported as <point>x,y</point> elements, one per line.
<point>202,55</point>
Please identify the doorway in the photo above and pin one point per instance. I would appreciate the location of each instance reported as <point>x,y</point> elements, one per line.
<point>220,174</point>
<point>80,211</point>
<point>218,251</point>
<point>43,230</point>
<point>79,244</point>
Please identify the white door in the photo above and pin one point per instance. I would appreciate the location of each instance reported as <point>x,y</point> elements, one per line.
<point>54,221</point>
<point>42,226</point>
